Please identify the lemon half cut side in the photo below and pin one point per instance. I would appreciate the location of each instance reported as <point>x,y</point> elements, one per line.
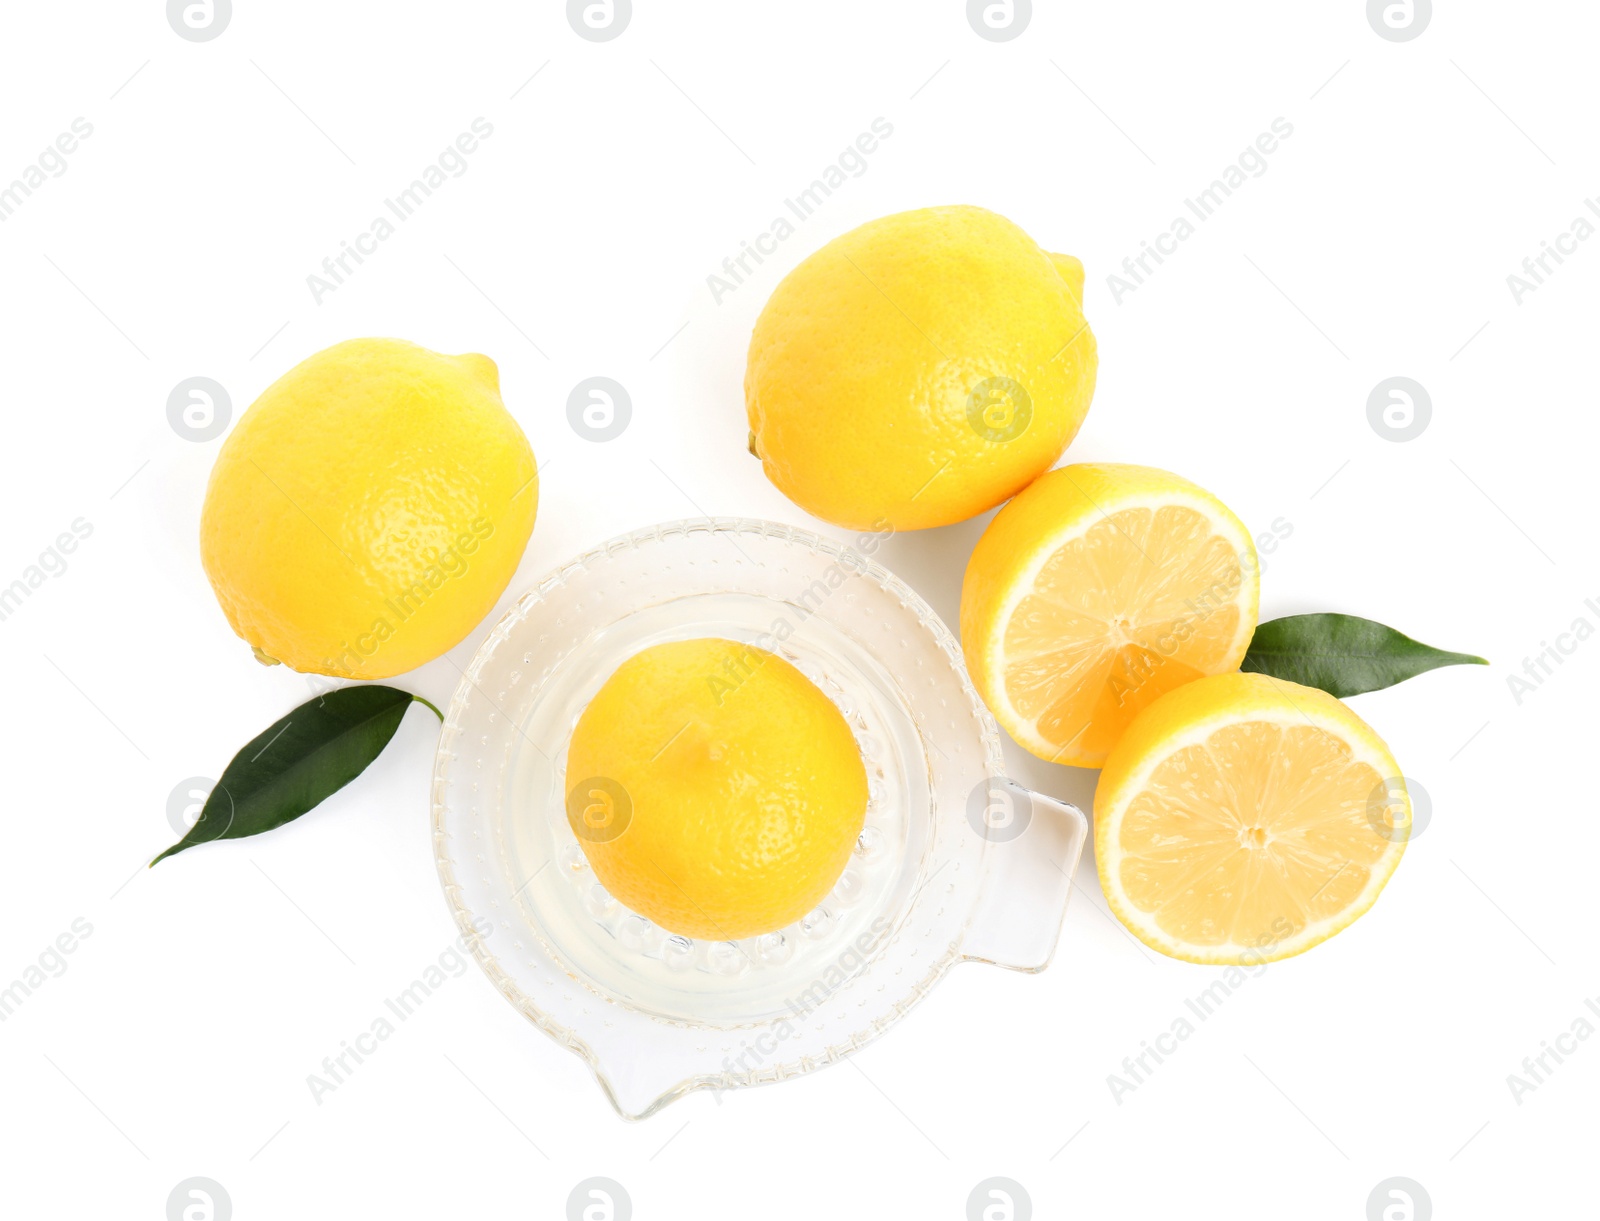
<point>1096,591</point>
<point>1244,819</point>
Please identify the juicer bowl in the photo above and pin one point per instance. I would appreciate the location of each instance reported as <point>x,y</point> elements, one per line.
<point>955,861</point>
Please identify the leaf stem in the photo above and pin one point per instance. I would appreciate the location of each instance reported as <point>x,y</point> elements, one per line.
<point>430,707</point>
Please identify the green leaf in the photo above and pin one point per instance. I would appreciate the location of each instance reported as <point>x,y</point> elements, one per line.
<point>299,760</point>
<point>1342,654</point>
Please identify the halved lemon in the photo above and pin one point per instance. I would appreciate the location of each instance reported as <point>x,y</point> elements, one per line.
<point>1097,590</point>
<point>1242,819</point>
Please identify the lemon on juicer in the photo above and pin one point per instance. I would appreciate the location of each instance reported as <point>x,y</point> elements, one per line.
<point>714,789</point>
<point>369,509</point>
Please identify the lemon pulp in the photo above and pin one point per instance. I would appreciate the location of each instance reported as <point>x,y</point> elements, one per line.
<point>1245,818</point>
<point>1096,591</point>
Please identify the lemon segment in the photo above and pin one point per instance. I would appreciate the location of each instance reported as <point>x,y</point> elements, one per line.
<point>1096,591</point>
<point>714,789</point>
<point>1244,819</point>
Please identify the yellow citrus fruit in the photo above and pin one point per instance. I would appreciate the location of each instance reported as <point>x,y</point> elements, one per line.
<point>1097,590</point>
<point>369,509</point>
<point>1243,819</point>
<point>714,789</point>
<point>919,370</point>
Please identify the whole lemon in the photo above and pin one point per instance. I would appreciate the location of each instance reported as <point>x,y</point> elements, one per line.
<point>919,370</point>
<point>715,789</point>
<point>368,509</point>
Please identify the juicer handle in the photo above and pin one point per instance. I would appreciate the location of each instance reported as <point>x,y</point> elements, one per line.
<point>1033,850</point>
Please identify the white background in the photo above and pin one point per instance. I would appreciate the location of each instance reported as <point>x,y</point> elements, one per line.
<point>220,174</point>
